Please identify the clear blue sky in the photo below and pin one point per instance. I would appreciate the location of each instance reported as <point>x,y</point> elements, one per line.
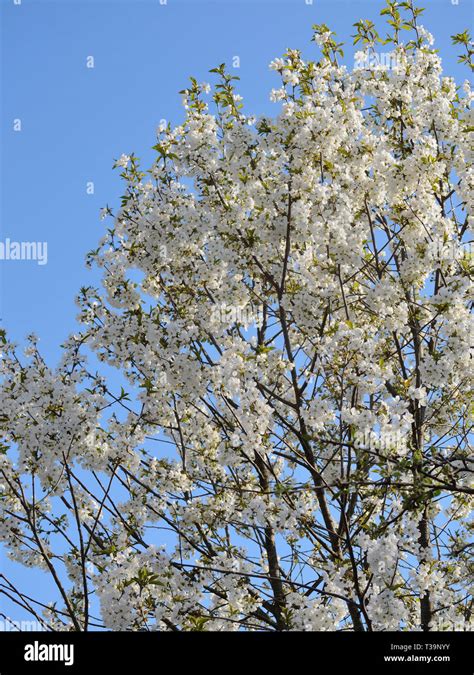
<point>76,120</point>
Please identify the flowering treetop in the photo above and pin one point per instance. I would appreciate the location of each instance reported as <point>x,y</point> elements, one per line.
<point>288,301</point>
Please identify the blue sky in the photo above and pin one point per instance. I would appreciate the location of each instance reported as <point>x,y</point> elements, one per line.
<point>75,120</point>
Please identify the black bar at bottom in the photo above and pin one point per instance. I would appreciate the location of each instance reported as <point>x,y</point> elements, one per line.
<point>46,652</point>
